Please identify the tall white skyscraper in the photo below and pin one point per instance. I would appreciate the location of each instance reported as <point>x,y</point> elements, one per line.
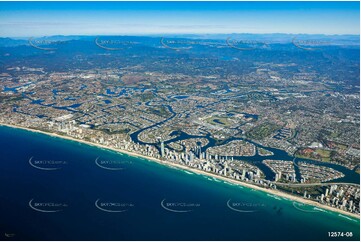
<point>162,149</point>
<point>243,174</point>
<point>191,157</point>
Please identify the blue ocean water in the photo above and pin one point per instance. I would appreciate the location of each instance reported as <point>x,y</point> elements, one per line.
<point>55,189</point>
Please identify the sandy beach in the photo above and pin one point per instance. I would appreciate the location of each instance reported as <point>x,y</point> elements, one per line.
<point>186,168</point>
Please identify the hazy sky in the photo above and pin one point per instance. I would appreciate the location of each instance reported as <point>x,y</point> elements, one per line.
<point>25,19</point>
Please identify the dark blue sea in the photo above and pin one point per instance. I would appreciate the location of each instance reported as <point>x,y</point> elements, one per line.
<point>55,189</point>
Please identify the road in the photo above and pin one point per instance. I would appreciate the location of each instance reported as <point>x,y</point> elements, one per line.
<point>314,184</point>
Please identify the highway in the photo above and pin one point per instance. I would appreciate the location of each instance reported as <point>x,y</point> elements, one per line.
<point>314,184</point>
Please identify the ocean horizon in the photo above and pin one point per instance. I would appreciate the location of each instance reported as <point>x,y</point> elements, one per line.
<point>58,189</point>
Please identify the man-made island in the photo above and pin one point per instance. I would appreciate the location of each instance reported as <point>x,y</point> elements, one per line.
<point>262,185</point>
<point>287,126</point>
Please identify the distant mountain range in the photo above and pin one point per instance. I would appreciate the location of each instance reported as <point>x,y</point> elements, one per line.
<point>276,38</point>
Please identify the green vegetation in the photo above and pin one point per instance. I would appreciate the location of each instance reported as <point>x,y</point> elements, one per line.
<point>110,132</point>
<point>10,98</point>
<point>218,120</point>
<point>144,97</point>
<point>160,111</point>
<point>262,131</point>
<point>264,152</point>
<point>341,146</point>
<point>317,154</point>
<point>334,134</point>
<point>312,190</point>
<point>325,154</point>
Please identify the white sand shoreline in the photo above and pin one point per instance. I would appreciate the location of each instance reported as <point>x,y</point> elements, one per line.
<point>189,169</point>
